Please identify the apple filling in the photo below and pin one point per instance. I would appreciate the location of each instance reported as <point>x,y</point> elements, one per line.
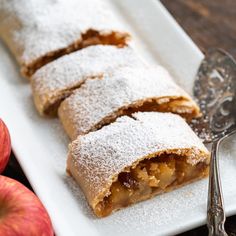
<point>148,178</point>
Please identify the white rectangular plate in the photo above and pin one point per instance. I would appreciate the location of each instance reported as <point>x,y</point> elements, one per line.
<point>40,144</point>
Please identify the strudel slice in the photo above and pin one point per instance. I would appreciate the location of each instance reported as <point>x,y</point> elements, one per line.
<point>136,158</point>
<point>38,31</point>
<point>100,101</point>
<point>56,81</point>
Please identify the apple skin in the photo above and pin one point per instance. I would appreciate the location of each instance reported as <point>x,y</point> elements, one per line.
<point>21,212</point>
<point>5,146</point>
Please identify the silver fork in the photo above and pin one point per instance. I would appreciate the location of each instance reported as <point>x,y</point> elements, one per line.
<point>215,91</point>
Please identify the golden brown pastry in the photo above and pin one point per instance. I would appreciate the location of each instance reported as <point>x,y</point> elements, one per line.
<point>136,158</point>
<point>39,31</point>
<point>56,81</point>
<point>99,102</point>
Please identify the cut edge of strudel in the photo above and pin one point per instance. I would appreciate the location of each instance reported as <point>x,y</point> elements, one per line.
<point>99,102</point>
<point>135,159</point>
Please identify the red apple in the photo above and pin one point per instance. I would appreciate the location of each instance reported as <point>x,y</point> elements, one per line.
<point>21,212</point>
<point>5,146</point>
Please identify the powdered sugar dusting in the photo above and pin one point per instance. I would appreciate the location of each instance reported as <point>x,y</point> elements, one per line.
<point>102,154</point>
<point>71,70</point>
<point>34,28</point>
<point>98,99</point>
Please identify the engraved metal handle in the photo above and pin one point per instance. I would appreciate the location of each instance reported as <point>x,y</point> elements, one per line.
<point>215,207</point>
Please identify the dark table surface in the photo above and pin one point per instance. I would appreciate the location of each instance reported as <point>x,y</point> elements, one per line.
<point>210,23</point>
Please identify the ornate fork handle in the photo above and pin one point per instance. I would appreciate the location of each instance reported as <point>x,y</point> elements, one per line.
<point>215,208</point>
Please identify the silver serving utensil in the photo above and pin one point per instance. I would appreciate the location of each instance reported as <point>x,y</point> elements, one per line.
<point>215,91</point>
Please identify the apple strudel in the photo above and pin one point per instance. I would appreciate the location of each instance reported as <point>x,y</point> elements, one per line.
<point>136,158</point>
<point>56,81</point>
<point>39,31</point>
<point>99,102</point>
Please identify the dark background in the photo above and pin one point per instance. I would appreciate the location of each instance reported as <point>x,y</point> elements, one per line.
<point>210,23</point>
